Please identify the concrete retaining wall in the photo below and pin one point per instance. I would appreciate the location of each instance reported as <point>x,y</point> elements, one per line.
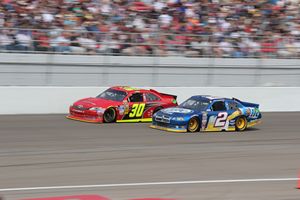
<point>79,70</point>
<point>48,100</point>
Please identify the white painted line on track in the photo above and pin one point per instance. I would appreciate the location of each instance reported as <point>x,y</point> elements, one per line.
<point>146,184</point>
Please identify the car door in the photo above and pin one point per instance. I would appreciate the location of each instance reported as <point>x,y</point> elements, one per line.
<point>217,115</point>
<point>136,105</point>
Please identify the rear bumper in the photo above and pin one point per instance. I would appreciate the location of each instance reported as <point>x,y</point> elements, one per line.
<point>85,119</point>
<point>254,122</point>
<point>177,130</point>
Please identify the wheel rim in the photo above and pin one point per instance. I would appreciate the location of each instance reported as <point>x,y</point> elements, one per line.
<point>193,125</point>
<point>240,124</point>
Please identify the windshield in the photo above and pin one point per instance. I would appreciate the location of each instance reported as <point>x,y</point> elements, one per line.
<point>113,95</point>
<point>195,104</point>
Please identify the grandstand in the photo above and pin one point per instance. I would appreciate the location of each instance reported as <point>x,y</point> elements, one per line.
<point>195,28</point>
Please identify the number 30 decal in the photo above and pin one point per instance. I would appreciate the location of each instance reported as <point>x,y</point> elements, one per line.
<point>221,119</point>
<point>137,110</point>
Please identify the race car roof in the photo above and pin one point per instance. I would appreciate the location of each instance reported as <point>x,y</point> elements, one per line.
<point>209,97</point>
<point>127,88</point>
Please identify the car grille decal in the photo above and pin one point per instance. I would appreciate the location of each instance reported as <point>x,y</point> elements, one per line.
<point>79,108</point>
<point>163,118</point>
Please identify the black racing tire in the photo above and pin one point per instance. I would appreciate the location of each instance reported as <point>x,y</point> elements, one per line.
<point>193,125</point>
<point>109,115</point>
<point>241,123</point>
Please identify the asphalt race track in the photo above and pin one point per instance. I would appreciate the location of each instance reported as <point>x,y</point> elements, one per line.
<point>129,161</point>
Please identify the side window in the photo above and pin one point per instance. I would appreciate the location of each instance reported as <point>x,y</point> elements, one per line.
<point>232,105</point>
<point>218,106</point>
<point>151,97</point>
<point>136,97</point>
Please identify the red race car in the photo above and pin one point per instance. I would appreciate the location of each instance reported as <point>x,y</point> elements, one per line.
<point>121,104</point>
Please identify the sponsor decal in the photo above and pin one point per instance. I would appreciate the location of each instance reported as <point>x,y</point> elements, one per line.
<point>231,122</point>
<point>126,107</point>
<point>130,88</point>
<point>177,110</point>
<point>204,120</point>
<point>100,112</point>
<point>248,111</point>
<point>254,112</point>
<point>121,109</point>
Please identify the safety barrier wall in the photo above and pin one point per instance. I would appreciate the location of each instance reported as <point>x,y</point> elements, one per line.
<point>50,100</point>
<point>82,70</point>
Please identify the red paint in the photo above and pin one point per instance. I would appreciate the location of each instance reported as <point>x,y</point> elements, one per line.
<point>76,197</point>
<point>122,108</point>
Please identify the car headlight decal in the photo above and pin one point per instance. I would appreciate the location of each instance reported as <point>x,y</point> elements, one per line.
<point>98,109</point>
<point>178,118</point>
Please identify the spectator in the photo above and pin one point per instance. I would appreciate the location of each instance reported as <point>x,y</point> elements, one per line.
<point>226,47</point>
<point>42,42</point>
<point>297,47</point>
<point>165,19</point>
<point>253,47</point>
<point>23,40</point>
<point>75,43</point>
<point>6,41</point>
<point>206,46</point>
<point>60,43</point>
<point>88,42</point>
<point>268,48</point>
<point>194,47</point>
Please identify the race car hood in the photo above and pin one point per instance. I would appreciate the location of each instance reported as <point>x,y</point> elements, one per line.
<point>95,102</point>
<point>177,112</point>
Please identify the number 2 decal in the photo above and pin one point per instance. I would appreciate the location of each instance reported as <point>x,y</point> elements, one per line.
<point>221,119</point>
<point>137,110</point>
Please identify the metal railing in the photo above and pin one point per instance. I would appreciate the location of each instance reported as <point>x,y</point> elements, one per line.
<point>60,41</point>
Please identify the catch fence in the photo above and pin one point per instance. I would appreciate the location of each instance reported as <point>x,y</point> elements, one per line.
<point>81,42</point>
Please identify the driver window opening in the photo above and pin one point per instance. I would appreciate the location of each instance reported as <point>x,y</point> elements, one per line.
<point>218,106</point>
<point>136,97</point>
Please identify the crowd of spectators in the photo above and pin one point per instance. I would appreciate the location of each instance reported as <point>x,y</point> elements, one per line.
<point>219,28</point>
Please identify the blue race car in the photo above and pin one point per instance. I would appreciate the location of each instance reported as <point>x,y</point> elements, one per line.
<point>208,113</point>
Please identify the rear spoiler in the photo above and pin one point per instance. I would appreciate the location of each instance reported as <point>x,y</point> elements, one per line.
<point>247,104</point>
<point>164,94</point>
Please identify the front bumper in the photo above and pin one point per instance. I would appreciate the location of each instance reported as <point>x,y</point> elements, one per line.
<point>170,129</point>
<point>85,119</point>
<point>85,115</point>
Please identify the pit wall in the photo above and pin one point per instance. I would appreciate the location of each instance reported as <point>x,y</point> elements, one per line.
<point>56,100</point>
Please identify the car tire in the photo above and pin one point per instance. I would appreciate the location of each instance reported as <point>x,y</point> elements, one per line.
<point>193,125</point>
<point>241,123</point>
<point>109,115</point>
